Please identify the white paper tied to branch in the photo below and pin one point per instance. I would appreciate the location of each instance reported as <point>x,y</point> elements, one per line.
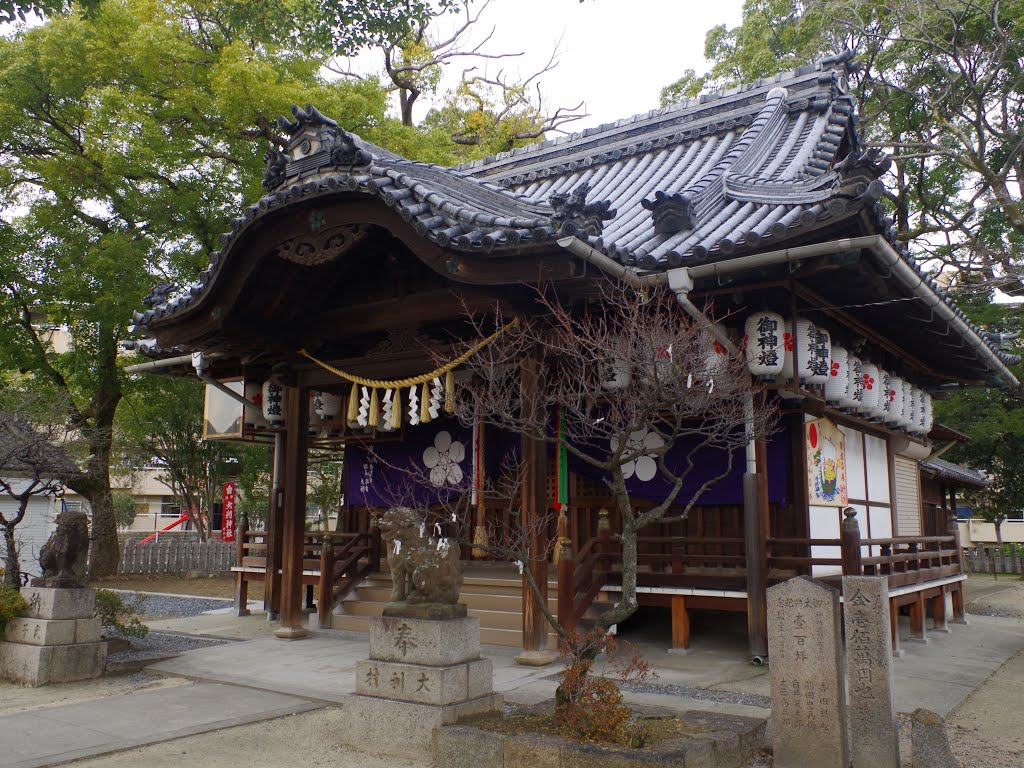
<point>398,547</point>
<point>414,406</point>
<point>437,529</point>
<point>455,518</point>
<point>519,565</point>
<point>689,381</point>
<point>363,417</point>
<point>443,546</point>
<point>711,386</point>
<point>423,529</point>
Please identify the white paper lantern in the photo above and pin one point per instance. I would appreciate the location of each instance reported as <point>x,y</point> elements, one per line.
<point>894,414</point>
<point>837,388</point>
<point>886,394</point>
<point>786,374</point>
<point>326,405</point>
<point>763,335</point>
<point>927,413</point>
<point>273,403</point>
<point>879,412</point>
<point>867,387</point>
<point>813,345</point>
<point>716,356</point>
<point>254,413</point>
<point>914,427</point>
<point>907,414</point>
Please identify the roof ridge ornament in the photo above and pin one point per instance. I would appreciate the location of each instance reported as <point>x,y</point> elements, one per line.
<point>310,116</point>
<point>575,215</point>
<point>671,213</point>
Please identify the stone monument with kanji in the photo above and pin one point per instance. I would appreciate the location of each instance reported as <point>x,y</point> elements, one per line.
<point>424,669</point>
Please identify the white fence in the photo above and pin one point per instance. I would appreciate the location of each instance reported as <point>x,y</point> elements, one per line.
<point>177,557</point>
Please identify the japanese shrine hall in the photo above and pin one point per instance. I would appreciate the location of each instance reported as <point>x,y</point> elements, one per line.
<point>758,203</point>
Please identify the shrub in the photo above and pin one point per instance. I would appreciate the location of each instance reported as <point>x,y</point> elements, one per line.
<point>119,616</point>
<point>590,707</point>
<point>11,604</point>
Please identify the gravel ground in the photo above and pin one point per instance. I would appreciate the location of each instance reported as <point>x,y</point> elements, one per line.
<point>160,644</point>
<point>155,605</point>
<point>702,694</point>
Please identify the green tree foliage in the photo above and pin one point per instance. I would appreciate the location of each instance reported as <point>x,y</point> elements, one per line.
<point>127,139</point>
<point>994,419</point>
<point>940,87</point>
<point>161,422</point>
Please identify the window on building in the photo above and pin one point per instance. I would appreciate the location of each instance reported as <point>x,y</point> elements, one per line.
<point>169,507</point>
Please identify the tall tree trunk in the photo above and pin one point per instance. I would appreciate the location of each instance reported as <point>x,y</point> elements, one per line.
<point>12,569</point>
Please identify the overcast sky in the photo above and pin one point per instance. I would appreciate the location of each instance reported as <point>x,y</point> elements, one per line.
<point>615,55</point>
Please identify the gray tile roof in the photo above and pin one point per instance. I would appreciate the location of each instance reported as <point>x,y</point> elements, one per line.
<point>728,173</point>
<point>958,474</point>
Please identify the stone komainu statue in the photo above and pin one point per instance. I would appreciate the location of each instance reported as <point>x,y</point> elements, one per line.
<point>63,556</point>
<point>423,569</point>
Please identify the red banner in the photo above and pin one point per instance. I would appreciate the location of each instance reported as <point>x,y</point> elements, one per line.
<point>227,526</point>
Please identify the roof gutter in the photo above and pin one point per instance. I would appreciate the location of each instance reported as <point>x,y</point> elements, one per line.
<point>878,245</point>
<point>158,365</point>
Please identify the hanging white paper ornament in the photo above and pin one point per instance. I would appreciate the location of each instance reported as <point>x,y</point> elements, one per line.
<point>928,414</point>
<point>913,426</point>
<point>763,340</point>
<point>363,419</point>
<point>273,403</point>
<point>414,406</point>
<point>436,398</point>
<point>387,407</point>
<point>837,388</point>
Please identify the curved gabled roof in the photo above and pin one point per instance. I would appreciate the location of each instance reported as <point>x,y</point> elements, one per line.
<point>708,179</point>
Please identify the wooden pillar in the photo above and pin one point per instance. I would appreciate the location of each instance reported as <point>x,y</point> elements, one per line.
<point>272,576</point>
<point>939,623</point>
<point>956,594</point>
<point>757,527</point>
<point>534,509</point>
<point>918,633</point>
<point>680,625</point>
<point>849,539</point>
<point>241,585</point>
<point>293,513</point>
<point>894,626</point>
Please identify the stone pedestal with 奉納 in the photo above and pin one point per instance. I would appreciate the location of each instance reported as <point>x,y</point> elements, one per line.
<point>58,641</point>
<point>421,674</point>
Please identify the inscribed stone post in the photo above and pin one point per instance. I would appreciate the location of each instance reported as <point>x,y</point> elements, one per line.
<point>874,739</point>
<point>806,665</point>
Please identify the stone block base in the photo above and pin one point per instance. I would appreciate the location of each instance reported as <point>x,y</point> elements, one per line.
<point>423,684</point>
<point>52,631</point>
<point>403,728</point>
<point>48,603</point>
<point>424,641</point>
<point>36,665</point>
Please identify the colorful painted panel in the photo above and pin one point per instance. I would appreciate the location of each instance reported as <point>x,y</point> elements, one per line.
<point>826,463</point>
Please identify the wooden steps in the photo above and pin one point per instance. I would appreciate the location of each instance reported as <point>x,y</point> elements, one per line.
<point>494,599</point>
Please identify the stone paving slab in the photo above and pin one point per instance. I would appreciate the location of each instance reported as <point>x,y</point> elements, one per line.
<point>45,737</point>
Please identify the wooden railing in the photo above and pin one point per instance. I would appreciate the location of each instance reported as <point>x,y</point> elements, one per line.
<point>903,559</point>
<point>345,560</point>
<point>581,577</point>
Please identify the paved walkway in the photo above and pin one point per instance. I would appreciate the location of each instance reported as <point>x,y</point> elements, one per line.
<point>264,677</point>
<point>52,736</point>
